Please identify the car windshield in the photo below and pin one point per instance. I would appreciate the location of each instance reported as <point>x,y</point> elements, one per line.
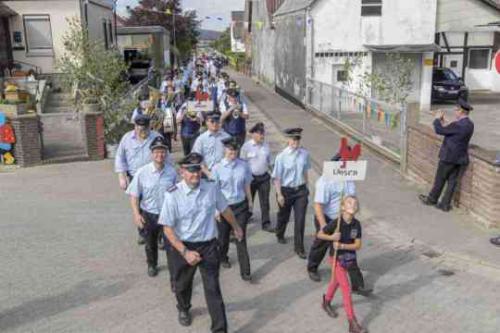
<point>444,75</point>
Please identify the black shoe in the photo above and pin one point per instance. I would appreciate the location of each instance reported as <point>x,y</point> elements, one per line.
<point>301,254</point>
<point>225,264</point>
<point>246,277</point>
<point>152,271</point>
<point>281,240</point>
<point>267,227</point>
<point>363,292</point>
<point>141,240</point>
<point>314,276</point>
<point>328,308</point>
<point>184,318</point>
<point>444,208</point>
<point>425,200</point>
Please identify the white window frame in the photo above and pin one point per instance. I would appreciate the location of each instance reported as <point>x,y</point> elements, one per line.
<point>45,51</point>
<point>488,67</point>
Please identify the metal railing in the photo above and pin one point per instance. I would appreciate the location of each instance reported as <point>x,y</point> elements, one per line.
<point>376,122</point>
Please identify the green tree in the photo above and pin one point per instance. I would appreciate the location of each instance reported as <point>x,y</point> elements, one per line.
<point>223,43</point>
<point>97,74</point>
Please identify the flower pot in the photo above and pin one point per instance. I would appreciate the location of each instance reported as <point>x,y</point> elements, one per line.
<point>13,110</point>
<point>90,107</point>
<point>111,150</point>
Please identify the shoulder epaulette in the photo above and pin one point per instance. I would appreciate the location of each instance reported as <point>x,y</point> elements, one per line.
<point>172,188</point>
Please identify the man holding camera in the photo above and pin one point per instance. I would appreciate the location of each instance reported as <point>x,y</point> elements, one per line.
<point>234,116</point>
<point>453,155</point>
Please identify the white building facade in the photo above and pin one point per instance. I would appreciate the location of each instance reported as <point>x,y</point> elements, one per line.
<point>469,42</point>
<point>35,29</point>
<point>365,31</point>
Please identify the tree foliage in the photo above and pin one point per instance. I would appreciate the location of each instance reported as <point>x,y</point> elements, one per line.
<point>164,13</point>
<point>97,74</point>
<point>223,43</point>
<point>392,83</point>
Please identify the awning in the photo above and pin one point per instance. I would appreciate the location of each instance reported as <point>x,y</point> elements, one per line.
<point>6,11</point>
<point>403,48</point>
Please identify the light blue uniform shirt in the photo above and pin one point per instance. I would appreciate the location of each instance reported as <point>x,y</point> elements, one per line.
<point>328,193</point>
<point>210,146</point>
<point>258,157</point>
<point>132,153</point>
<point>191,212</point>
<point>150,185</point>
<point>290,166</point>
<point>232,177</point>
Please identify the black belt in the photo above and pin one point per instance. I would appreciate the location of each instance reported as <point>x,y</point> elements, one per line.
<point>294,189</point>
<point>261,177</point>
<point>240,207</point>
<point>198,244</point>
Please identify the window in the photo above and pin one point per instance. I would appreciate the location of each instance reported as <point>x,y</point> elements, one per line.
<point>444,75</point>
<point>341,76</point>
<point>479,58</point>
<point>38,33</point>
<point>371,7</point>
<point>105,33</point>
<point>110,31</point>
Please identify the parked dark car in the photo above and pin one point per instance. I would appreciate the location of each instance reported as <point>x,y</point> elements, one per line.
<point>447,86</point>
<point>138,70</point>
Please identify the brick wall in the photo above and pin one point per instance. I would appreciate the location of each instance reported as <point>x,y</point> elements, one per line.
<point>93,135</point>
<point>28,146</point>
<point>479,191</point>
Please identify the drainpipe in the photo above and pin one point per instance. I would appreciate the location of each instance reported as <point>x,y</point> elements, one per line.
<point>310,45</point>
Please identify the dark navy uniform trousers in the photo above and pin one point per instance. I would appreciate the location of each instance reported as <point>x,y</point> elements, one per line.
<point>151,232</point>
<point>296,198</point>
<point>209,269</point>
<point>262,185</point>
<point>241,213</point>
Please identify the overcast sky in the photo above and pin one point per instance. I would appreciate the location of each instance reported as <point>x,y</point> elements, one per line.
<point>212,8</point>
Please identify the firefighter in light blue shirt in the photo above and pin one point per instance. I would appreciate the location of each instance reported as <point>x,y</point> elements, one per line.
<point>258,154</point>
<point>209,144</point>
<point>133,153</point>
<point>234,178</point>
<point>290,176</point>
<point>188,217</point>
<point>146,193</point>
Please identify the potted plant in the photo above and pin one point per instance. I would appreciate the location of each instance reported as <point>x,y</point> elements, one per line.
<point>90,104</point>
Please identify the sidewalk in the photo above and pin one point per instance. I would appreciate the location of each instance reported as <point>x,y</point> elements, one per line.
<point>389,202</point>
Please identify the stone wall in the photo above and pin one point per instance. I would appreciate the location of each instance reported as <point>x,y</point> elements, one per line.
<point>479,191</point>
<point>28,146</point>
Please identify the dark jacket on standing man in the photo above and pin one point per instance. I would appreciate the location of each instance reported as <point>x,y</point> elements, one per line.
<point>456,140</point>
